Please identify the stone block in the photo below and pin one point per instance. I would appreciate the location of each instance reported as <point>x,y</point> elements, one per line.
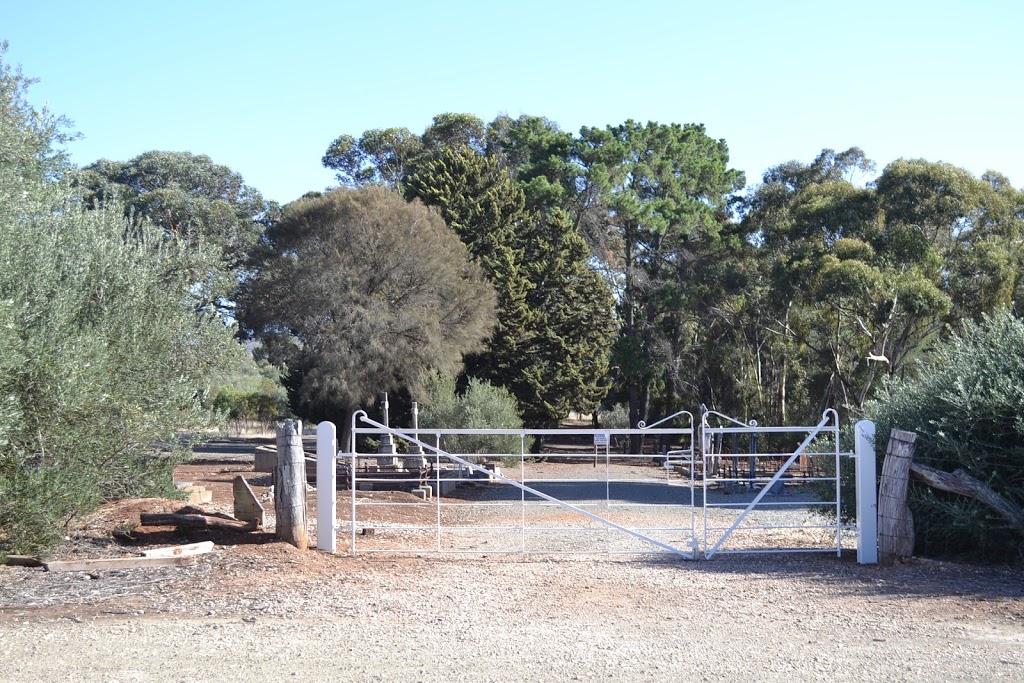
<point>264,459</point>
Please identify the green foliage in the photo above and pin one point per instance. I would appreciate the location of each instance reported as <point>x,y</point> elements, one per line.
<point>865,272</point>
<point>31,140</point>
<point>966,405</point>
<point>385,156</point>
<point>665,189</point>
<point>247,405</point>
<point>378,157</point>
<point>616,418</point>
<point>550,347</point>
<point>357,292</point>
<point>251,390</point>
<point>540,157</point>
<point>831,281</point>
<point>101,361</point>
<point>481,406</point>
<point>194,201</point>
<point>455,130</point>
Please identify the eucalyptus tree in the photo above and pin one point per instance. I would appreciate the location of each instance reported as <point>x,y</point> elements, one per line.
<point>358,291</point>
<point>384,156</point>
<point>455,130</point>
<point>379,156</point>
<point>864,278</point>
<point>196,202</point>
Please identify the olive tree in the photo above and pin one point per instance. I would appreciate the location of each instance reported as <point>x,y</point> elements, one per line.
<point>101,360</point>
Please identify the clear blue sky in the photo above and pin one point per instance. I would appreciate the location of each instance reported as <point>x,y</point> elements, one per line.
<point>264,87</point>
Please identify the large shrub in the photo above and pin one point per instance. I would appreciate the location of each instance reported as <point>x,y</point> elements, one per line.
<point>101,360</point>
<point>967,407</point>
<point>480,406</point>
<point>100,363</point>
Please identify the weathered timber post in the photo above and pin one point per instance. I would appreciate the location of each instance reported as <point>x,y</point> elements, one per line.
<point>895,523</point>
<point>290,485</point>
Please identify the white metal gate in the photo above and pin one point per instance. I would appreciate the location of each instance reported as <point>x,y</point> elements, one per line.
<point>691,491</point>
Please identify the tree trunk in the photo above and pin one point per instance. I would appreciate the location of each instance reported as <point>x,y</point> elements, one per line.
<point>634,417</point>
<point>895,523</point>
<point>290,485</point>
<point>964,484</point>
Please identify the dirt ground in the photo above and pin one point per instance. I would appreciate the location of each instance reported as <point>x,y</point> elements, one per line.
<point>257,609</point>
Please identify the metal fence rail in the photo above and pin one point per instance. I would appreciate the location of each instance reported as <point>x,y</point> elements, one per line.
<point>826,435</point>
<point>691,491</point>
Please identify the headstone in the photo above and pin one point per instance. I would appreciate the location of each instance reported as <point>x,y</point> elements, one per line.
<point>247,507</point>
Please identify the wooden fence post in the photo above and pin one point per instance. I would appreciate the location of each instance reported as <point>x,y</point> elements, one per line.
<point>895,523</point>
<point>290,485</point>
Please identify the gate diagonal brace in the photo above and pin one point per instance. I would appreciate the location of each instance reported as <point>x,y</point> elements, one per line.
<point>687,555</point>
<point>768,487</point>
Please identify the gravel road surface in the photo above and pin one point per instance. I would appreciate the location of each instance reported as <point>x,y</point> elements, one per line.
<point>252,613</point>
<point>258,610</point>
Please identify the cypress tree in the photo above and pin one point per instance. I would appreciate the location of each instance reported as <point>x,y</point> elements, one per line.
<point>555,321</point>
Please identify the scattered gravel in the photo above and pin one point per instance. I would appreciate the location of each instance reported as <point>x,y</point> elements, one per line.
<point>261,612</point>
<point>255,609</point>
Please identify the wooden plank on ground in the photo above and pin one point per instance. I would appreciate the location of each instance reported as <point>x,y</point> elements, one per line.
<point>180,550</point>
<point>195,521</point>
<point>23,561</point>
<point>116,563</point>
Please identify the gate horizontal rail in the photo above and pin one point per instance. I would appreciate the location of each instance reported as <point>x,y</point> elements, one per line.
<point>516,506</point>
<point>439,453</point>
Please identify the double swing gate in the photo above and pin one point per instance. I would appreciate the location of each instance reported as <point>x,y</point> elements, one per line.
<point>685,487</point>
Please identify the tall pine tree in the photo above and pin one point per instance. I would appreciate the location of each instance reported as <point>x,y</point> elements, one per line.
<point>555,314</point>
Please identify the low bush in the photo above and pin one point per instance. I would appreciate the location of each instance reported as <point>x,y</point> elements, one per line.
<point>481,406</point>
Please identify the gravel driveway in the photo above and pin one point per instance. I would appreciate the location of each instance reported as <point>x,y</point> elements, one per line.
<point>268,612</point>
<point>258,610</point>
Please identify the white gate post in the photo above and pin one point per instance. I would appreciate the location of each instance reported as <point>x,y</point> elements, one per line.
<point>326,486</point>
<point>867,492</point>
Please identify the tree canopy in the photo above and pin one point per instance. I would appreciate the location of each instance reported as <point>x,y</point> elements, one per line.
<point>867,277</point>
<point>101,360</point>
<point>550,347</point>
<point>766,305</point>
<point>359,291</point>
<point>196,202</point>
